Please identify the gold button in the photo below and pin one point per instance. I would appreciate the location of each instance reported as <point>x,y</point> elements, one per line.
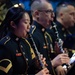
<point>21,46</point>
<point>7,37</point>
<point>24,53</point>
<point>17,39</point>
<point>63,29</point>
<point>17,51</point>
<point>43,29</point>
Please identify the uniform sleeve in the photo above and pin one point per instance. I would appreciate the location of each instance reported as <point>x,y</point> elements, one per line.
<point>5,62</point>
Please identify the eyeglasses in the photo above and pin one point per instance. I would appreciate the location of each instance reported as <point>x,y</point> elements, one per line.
<point>47,11</point>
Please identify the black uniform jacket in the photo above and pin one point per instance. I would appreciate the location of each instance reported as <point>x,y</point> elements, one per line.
<point>62,31</point>
<point>43,41</point>
<point>65,35</point>
<point>16,56</point>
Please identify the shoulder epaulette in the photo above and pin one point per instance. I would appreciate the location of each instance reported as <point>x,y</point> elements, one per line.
<point>32,29</point>
<point>4,40</point>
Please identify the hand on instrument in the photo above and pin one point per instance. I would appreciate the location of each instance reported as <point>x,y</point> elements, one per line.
<point>44,71</point>
<point>60,59</point>
<point>43,60</point>
<point>60,70</point>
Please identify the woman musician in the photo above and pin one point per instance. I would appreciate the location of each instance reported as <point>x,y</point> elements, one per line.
<point>16,55</point>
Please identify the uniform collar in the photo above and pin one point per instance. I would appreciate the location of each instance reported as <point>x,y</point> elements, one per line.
<point>60,26</point>
<point>39,26</point>
<point>14,37</point>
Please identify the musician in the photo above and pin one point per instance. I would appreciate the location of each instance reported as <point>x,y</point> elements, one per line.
<point>72,29</point>
<point>72,40</point>
<point>16,55</point>
<point>42,14</point>
<point>64,19</point>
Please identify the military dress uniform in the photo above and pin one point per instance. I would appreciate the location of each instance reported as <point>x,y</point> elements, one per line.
<point>65,34</point>
<point>16,56</point>
<point>43,41</point>
<point>72,29</point>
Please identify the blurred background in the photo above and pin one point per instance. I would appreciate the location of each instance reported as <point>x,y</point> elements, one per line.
<point>6,4</point>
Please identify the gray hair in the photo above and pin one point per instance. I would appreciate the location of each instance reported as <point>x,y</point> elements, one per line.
<point>61,8</point>
<point>38,5</point>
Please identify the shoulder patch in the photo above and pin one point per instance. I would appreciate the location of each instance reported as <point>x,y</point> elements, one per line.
<point>4,40</point>
<point>5,65</point>
<point>32,29</point>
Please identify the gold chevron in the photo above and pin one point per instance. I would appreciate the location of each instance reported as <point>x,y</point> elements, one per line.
<point>8,67</point>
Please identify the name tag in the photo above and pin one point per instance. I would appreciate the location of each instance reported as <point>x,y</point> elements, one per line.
<point>18,54</point>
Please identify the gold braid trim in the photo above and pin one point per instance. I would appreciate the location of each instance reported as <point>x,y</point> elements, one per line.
<point>49,36</point>
<point>8,67</point>
<point>6,40</point>
<point>33,30</point>
<point>32,51</point>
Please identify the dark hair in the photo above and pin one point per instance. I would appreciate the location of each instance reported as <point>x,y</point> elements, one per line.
<point>14,14</point>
